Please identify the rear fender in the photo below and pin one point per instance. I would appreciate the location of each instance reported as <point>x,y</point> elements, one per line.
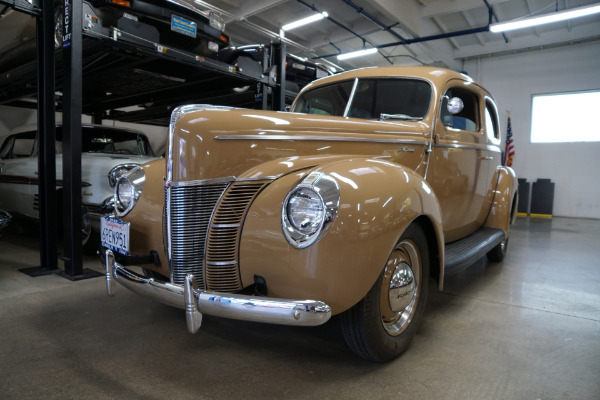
<point>378,201</point>
<point>504,204</point>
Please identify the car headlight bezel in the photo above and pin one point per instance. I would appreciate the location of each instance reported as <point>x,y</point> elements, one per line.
<point>128,190</point>
<point>310,209</point>
<point>117,171</point>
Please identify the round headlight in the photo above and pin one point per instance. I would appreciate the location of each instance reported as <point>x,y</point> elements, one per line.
<point>310,209</point>
<point>305,210</point>
<point>128,190</point>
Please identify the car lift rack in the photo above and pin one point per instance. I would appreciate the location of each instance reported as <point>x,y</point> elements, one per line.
<point>116,74</point>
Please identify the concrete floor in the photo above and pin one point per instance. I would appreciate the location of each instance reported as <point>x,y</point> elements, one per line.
<point>528,328</point>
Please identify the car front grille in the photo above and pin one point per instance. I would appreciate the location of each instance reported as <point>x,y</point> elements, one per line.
<point>205,228</point>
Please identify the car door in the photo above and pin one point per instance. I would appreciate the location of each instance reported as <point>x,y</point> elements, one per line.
<point>461,163</point>
<point>18,175</point>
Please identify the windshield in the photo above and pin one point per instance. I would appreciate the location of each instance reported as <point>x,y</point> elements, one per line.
<point>97,139</point>
<point>374,98</point>
<point>325,100</point>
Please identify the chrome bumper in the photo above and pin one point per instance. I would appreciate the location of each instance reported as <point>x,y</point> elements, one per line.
<point>196,302</point>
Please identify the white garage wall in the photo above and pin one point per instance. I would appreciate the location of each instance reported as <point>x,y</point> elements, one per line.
<point>513,79</point>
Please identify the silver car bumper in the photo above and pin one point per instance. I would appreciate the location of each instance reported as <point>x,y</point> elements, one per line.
<point>196,302</point>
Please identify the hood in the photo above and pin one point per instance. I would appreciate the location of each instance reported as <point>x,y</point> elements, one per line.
<point>214,142</point>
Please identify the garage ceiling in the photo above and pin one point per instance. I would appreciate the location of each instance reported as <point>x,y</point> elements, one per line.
<point>381,22</point>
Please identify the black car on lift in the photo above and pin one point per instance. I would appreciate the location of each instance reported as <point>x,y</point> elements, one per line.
<point>175,24</point>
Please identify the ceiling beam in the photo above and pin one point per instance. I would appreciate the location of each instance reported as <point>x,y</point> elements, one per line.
<point>407,13</point>
<point>250,8</point>
<point>444,29</point>
<point>442,7</point>
<point>529,10</point>
<point>518,44</point>
<point>471,24</point>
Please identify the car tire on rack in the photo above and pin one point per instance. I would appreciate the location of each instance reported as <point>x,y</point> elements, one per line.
<point>381,326</point>
<point>58,24</point>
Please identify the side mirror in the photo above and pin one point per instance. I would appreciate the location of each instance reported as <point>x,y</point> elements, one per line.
<point>455,105</point>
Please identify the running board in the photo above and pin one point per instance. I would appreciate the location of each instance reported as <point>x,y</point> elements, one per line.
<point>464,252</point>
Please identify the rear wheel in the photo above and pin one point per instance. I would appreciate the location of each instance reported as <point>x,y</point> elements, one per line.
<point>381,326</point>
<point>497,253</point>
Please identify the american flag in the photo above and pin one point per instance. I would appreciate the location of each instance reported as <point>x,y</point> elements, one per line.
<point>510,146</point>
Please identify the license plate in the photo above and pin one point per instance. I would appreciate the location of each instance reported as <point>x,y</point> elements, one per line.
<point>115,234</point>
<point>183,26</point>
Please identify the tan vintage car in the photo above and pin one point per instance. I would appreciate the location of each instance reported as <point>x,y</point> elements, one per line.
<point>377,181</point>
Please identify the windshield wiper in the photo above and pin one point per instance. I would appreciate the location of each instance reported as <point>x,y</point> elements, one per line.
<point>385,117</point>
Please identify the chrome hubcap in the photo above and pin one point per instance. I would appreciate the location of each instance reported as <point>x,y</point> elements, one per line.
<point>400,288</point>
<point>403,288</point>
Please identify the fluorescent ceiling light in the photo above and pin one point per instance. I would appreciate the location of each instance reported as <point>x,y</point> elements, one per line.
<point>304,21</point>
<point>359,53</point>
<point>545,19</point>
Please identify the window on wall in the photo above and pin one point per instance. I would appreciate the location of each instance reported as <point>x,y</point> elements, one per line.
<point>565,117</point>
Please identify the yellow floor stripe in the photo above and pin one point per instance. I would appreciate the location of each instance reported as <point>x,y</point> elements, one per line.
<point>548,216</point>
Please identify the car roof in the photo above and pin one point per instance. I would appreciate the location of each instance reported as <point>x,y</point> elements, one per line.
<point>438,76</point>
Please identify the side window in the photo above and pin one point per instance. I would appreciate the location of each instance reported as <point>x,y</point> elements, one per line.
<point>22,147</point>
<point>468,117</point>
<point>491,121</point>
<point>18,146</point>
<point>6,149</point>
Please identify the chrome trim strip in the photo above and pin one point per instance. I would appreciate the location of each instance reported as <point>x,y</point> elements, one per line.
<point>320,139</point>
<point>260,178</point>
<point>351,98</point>
<point>221,263</point>
<point>225,225</point>
<point>226,179</point>
<point>491,148</point>
<point>201,182</point>
<point>195,302</point>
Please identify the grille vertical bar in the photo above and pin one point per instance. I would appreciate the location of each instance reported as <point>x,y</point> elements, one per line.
<point>190,209</point>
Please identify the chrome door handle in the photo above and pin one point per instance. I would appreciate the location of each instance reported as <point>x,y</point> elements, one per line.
<point>488,158</point>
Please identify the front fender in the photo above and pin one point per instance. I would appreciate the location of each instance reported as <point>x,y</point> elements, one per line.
<point>378,200</point>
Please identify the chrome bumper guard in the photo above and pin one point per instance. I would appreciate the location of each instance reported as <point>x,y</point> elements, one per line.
<point>196,302</point>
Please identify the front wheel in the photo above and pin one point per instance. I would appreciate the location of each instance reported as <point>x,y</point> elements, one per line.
<point>381,326</point>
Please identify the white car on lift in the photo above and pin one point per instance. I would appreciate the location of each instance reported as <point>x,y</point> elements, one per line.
<point>106,153</point>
